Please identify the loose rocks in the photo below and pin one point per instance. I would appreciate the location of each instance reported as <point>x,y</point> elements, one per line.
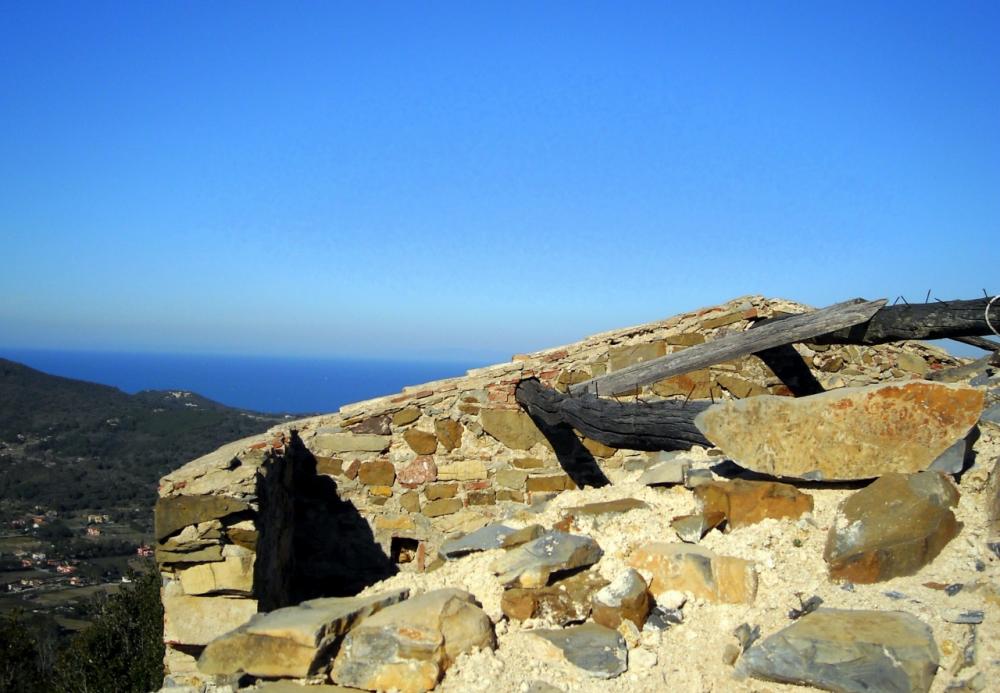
<point>290,642</point>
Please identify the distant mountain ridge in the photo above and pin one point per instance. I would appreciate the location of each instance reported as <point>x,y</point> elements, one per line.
<point>69,444</point>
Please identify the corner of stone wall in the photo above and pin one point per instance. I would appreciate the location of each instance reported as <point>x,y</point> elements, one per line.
<point>223,528</point>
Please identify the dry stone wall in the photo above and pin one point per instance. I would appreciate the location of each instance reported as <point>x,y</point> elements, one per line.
<point>327,505</point>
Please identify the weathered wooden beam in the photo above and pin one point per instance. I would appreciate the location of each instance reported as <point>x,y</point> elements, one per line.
<point>939,320</point>
<point>791,369</point>
<point>661,425</point>
<point>795,328</point>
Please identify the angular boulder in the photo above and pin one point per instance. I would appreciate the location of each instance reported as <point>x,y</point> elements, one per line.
<point>693,569</point>
<point>745,503</point>
<point>291,642</point>
<point>849,433</point>
<point>531,564</point>
<point>850,651</point>
<point>625,599</point>
<point>892,527</point>
<point>408,646</point>
<point>597,651</point>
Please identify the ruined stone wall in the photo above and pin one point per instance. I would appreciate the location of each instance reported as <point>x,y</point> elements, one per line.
<point>326,505</point>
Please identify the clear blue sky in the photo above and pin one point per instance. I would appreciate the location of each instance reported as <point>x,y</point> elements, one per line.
<point>469,179</point>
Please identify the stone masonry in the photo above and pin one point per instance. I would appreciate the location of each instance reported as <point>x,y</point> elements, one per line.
<point>325,506</point>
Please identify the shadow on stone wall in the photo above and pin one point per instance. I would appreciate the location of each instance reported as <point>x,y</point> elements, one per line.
<point>576,460</point>
<point>335,552</point>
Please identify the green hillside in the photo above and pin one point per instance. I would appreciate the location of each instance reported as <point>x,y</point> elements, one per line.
<point>71,445</point>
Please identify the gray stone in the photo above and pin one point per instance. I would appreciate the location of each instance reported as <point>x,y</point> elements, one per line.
<point>965,617</point>
<point>598,651</point>
<point>291,642</point>
<point>522,536</point>
<point>670,472</point>
<point>489,537</point>
<point>848,651</point>
<point>991,415</point>
<point>531,564</point>
<point>661,618</point>
<point>951,460</point>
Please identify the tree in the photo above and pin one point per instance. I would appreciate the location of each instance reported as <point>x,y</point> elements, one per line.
<point>22,657</point>
<point>122,650</point>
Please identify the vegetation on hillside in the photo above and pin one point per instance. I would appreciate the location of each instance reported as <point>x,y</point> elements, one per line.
<point>71,445</point>
<point>121,650</point>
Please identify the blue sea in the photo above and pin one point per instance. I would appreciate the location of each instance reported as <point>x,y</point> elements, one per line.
<point>260,383</point>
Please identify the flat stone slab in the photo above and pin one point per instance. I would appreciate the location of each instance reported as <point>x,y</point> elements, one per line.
<point>598,651</point>
<point>333,443</point>
<point>531,564</point>
<point>490,537</point>
<point>613,507</point>
<point>177,512</point>
<point>291,642</point>
<point>848,651</point>
<point>891,528</point>
<point>850,433</point>
<point>408,646</point>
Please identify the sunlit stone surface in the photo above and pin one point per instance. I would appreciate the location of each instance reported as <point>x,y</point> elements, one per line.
<point>851,433</point>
